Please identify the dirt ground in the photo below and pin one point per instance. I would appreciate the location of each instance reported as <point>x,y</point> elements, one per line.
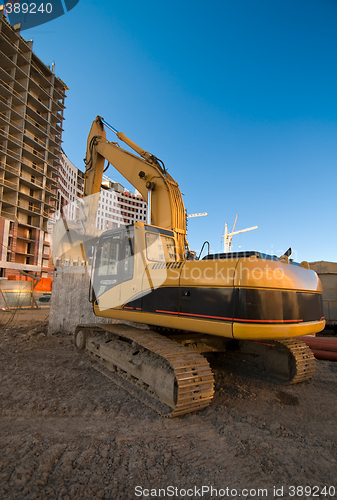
<point>67,432</point>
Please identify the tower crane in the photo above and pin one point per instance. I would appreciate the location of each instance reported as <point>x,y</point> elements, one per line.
<point>229,236</point>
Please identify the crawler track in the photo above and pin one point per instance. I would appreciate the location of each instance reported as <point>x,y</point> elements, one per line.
<point>302,361</point>
<point>173,379</point>
<point>290,361</point>
<point>170,378</point>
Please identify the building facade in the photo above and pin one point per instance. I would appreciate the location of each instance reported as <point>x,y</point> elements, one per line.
<point>118,207</point>
<point>31,116</point>
<point>70,188</point>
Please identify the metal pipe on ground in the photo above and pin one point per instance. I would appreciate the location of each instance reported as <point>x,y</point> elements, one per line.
<point>322,347</point>
<point>323,343</point>
<point>328,355</point>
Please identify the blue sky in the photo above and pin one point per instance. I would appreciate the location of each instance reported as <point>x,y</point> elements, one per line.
<point>238,98</point>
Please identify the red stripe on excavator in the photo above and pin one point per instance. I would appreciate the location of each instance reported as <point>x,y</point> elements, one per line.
<point>198,315</point>
<point>234,319</point>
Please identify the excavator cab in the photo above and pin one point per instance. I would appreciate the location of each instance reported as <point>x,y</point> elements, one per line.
<point>130,262</point>
<point>113,261</point>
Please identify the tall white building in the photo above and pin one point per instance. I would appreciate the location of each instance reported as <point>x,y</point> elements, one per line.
<point>118,206</point>
<point>70,188</point>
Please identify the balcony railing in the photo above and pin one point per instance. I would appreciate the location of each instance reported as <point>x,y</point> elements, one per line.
<point>30,208</point>
<point>30,164</point>
<point>13,44</point>
<point>11,90</point>
<point>37,83</point>
<point>27,179</point>
<point>32,150</point>
<point>5,214</point>
<point>36,97</point>
<point>9,168</point>
<point>12,138</point>
<point>34,138</point>
<point>9,184</point>
<point>33,122</point>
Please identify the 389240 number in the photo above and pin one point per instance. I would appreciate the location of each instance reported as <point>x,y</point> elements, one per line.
<point>26,8</point>
<point>314,491</point>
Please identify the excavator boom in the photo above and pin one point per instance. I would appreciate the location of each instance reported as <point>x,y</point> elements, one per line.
<point>160,191</point>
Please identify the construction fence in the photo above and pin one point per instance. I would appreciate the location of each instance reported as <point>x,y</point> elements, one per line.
<point>16,294</point>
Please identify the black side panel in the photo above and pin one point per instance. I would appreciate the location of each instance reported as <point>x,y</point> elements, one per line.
<point>135,304</point>
<point>260,305</point>
<point>162,300</point>
<point>278,306</point>
<point>310,306</point>
<point>211,303</point>
<point>229,304</point>
<point>290,305</point>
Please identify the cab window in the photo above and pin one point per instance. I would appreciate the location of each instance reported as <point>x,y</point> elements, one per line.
<point>160,248</point>
<point>109,256</point>
<point>114,260</point>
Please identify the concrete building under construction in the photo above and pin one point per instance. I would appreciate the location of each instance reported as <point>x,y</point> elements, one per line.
<point>31,115</point>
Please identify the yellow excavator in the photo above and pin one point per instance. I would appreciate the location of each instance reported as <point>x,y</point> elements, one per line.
<point>173,308</point>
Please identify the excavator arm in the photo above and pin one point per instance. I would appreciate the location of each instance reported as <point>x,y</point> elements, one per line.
<point>145,172</point>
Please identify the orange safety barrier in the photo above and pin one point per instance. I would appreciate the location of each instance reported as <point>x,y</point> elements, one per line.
<point>44,285</point>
